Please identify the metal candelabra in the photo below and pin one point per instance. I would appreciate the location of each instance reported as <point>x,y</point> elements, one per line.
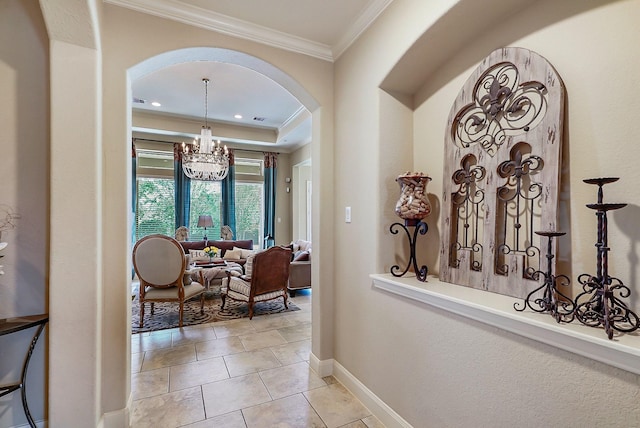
<point>421,228</point>
<point>552,301</point>
<point>601,301</point>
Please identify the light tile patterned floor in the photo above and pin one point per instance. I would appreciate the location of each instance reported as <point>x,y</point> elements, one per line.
<point>238,374</point>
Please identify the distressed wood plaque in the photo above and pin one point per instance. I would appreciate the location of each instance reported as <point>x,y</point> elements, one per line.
<point>503,148</point>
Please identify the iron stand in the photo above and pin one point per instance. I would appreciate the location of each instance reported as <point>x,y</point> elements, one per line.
<point>421,228</point>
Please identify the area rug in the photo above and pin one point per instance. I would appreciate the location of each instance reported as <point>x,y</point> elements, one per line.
<point>166,314</point>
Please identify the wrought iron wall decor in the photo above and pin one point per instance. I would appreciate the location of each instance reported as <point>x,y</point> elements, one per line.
<point>503,152</point>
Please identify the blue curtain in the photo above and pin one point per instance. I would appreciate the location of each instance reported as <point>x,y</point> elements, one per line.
<point>228,207</point>
<point>182,189</point>
<point>270,164</point>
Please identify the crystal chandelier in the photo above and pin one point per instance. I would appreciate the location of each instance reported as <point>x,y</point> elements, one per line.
<point>204,159</point>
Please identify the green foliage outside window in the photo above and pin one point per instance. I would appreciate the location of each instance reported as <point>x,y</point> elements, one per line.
<point>205,199</point>
<point>155,212</point>
<point>249,208</point>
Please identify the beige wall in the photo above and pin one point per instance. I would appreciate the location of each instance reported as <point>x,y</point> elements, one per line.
<point>128,39</point>
<point>432,367</point>
<point>24,173</point>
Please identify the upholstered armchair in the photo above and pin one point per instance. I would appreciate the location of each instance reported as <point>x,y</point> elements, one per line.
<point>160,263</point>
<point>266,278</point>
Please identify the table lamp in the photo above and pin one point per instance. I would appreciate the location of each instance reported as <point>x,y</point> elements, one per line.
<point>205,221</point>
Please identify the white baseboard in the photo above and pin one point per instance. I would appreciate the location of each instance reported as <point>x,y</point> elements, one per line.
<point>376,406</point>
<point>324,368</point>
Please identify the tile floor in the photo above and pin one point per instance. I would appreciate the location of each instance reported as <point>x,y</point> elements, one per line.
<point>240,373</point>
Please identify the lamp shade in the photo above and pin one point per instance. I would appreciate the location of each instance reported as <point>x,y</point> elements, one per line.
<point>205,221</point>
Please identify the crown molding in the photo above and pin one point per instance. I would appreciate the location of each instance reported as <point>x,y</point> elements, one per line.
<point>364,21</point>
<point>198,17</point>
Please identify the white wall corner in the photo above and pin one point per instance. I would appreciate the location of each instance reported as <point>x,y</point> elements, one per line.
<point>117,418</point>
<point>322,368</point>
<point>371,401</point>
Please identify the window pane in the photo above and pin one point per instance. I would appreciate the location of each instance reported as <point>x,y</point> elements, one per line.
<point>205,200</point>
<point>155,211</point>
<point>249,209</point>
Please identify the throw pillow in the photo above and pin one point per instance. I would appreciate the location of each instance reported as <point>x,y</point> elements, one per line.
<point>244,253</point>
<point>248,266</point>
<point>232,255</point>
<point>301,256</point>
<point>198,255</point>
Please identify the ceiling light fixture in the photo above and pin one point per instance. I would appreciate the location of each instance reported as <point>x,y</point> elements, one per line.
<point>238,116</point>
<point>156,104</point>
<point>206,160</point>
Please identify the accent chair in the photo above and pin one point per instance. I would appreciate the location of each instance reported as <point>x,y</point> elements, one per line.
<point>266,278</point>
<point>160,263</point>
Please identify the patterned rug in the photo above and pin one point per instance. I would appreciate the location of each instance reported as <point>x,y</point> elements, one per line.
<point>166,314</point>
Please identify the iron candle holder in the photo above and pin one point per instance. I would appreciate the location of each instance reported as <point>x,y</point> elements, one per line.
<point>601,301</point>
<point>552,301</point>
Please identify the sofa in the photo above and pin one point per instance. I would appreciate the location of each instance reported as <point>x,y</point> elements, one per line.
<point>227,249</point>
<point>300,268</point>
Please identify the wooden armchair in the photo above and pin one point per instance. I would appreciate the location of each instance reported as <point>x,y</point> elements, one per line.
<point>266,278</point>
<point>160,263</point>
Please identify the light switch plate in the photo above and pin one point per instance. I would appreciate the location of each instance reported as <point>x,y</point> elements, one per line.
<point>347,214</point>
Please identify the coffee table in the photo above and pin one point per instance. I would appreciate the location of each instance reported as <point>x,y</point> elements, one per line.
<point>213,274</point>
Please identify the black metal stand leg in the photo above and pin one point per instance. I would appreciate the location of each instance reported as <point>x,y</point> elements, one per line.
<point>419,228</point>
<point>23,377</point>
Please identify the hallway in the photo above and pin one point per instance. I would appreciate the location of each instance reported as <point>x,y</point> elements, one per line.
<point>238,374</point>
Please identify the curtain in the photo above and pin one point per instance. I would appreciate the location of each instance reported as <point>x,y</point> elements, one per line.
<point>270,161</point>
<point>228,207</point>
<point>182,189</point>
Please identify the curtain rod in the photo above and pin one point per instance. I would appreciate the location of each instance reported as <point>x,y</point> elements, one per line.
<point>175,142</point>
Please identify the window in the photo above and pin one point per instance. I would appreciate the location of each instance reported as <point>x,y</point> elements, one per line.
<point>249,210</point>
<point>205,199</point>
<point>155,210</point>
<point>155,205</point>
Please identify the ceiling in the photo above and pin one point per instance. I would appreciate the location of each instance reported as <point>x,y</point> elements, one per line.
<point>322,29</point>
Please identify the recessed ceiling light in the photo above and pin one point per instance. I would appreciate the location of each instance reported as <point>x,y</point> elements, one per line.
<point>156,104</point>
<point>238,116</point>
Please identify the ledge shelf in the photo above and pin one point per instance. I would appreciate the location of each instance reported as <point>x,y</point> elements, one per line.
<point>497,310</point>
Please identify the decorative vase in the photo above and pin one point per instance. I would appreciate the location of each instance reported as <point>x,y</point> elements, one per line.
<point>413,204</point>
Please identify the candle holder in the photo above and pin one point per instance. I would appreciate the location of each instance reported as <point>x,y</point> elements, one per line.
<point>419,227</point>
<point>552,301</point>
<point>601,301</point>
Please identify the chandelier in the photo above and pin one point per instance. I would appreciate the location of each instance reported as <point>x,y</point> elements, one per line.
<point>204,159</point>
